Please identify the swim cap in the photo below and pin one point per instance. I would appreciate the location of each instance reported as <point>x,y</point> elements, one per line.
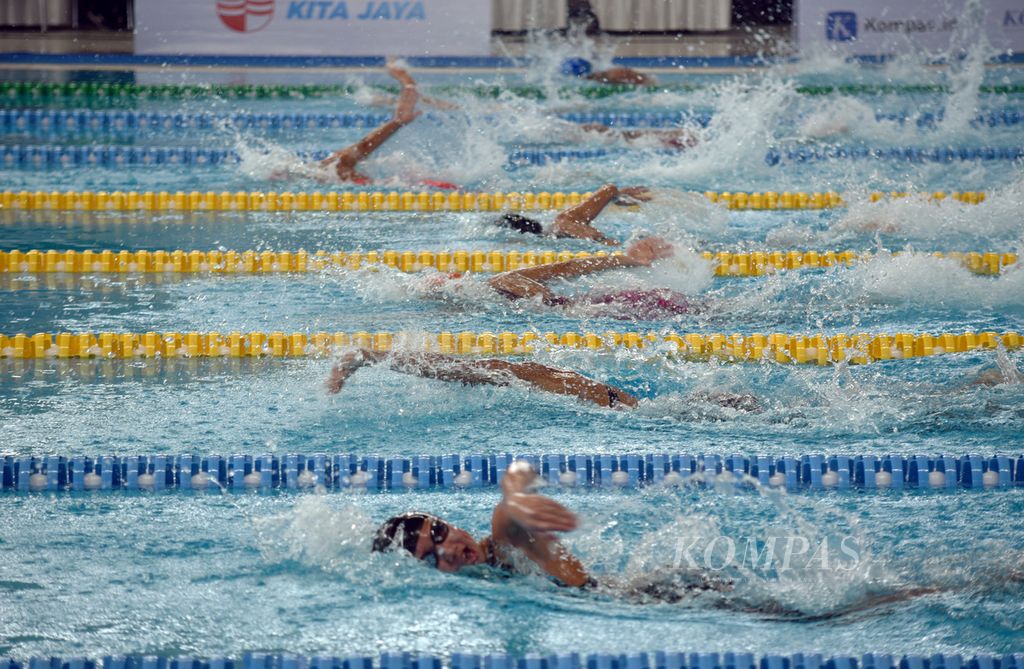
<point>576,67</point>
<point>404,531</point>
<point>521,223</point>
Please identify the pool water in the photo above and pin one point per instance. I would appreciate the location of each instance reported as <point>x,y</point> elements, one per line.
<point>211,574</point>
<point>205,574</point>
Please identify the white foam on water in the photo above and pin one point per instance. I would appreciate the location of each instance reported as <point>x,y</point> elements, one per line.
<point>676,214</point>
<point>929,281</point>
<point>738,136</point>
<point>836,117</point>
<point>947,222</point>
<point>266,160</point>
<point>769,554</point>
<point>316,534</point>
<point>684,271</point>
<point>380,283</point>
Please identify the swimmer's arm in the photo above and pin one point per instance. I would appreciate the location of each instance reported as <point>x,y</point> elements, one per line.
<point>483,372</point>
<point>575,221</point>
<point>407,81</point>
<point>566,382</point>
<point>345,160</point>
<point>499,372</point>
<point>405,113</point>
<point>431,366</point>
<point>529,281</point>
<point>528,522</point>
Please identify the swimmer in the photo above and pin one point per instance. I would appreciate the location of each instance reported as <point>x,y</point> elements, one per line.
<point>624,76</point>
<point>630,304</point>
<point>576,221</point>
<point>524,531</point>
<point>530,283</point>
<point>344,161</point>
<point>493,372</point>
<point>496,372</point>
<point>522,523</point>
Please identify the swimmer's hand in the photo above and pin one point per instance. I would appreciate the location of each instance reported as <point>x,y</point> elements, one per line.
<point>535,513</point>
<point>528,522</point>
<point>649,249</point>
<point>632,195</point>
<point>539,515</point>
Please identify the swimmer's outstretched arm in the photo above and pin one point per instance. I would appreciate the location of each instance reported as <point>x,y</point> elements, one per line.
<point>491,372</point>
<point>345,160</point>
<point>529,281</point>
<point>575,221</point>
<point>528,521</point>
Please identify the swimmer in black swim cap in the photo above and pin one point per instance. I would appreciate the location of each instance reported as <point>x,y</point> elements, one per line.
<point>525,524</point>
<point>576,221</point>
<point>522,522</point>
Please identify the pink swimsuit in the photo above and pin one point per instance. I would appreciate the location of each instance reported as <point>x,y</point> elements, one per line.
<point>644,304</point>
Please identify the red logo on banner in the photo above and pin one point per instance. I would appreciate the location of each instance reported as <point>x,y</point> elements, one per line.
<point>245,16</point>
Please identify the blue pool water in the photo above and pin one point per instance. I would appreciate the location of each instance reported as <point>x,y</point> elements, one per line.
<point>165,574</point>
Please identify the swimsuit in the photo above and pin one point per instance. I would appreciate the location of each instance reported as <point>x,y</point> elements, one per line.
<point>644,304</point>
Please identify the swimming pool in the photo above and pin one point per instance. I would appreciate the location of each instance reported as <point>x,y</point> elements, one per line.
<point>187,573</point>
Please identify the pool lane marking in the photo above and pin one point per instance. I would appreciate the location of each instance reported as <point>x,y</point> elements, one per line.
<point>783,348</point>
<point>726,263</point>
<point>325,471</point>
<point>421,201</point>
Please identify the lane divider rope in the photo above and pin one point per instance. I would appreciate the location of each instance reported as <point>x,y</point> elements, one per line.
<point>726,263</point>
<point>117,200</point>
<point>911,154</point>
<point>784,348</point>
<point>374,472</point>
<point>538,157</point>
<point>39,91</point>
<point>45,122</point>
<point>47,156</point>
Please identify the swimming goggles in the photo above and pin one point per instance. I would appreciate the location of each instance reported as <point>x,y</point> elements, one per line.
<point>438,533</point>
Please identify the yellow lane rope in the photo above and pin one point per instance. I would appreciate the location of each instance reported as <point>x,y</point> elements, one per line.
<point>753,263</point>
<point>859,348</point>
<point>404,201</point>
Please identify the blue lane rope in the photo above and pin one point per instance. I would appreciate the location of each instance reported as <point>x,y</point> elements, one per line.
<point>97,155</point>
<point>802,154</point>
<point>45,156</point>
<point>948,154</point>
<point>656,660</point>
<point>339,471</point>
<point>44,122</point>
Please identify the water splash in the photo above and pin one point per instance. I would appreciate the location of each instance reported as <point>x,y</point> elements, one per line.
<point>314,534</point>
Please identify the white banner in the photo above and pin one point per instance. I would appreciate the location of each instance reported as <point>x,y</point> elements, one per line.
<point>882,27</point>
<point>314,27</point>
